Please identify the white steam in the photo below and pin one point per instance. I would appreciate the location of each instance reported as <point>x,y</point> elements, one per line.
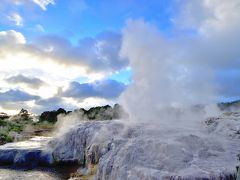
<point>66,122</point>
<point>179,71</point>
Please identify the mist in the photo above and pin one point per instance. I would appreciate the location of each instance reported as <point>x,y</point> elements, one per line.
<point>172,73</point>
<point>67,121</point>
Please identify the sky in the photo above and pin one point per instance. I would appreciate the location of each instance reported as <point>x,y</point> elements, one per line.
<point>77,53</point>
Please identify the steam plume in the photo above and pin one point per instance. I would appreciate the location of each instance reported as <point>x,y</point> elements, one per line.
<point>180,70</point>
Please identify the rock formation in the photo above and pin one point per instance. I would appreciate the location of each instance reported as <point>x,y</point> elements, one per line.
<point>123,151</point>
<point>120,150</point>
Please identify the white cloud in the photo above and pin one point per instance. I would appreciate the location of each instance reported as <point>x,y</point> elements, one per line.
<point>86,59</point>
<point>16,19</point>
<point>44,3</point>
<point>209,16</point>
<point>11,37</point>
<point>32,68</point>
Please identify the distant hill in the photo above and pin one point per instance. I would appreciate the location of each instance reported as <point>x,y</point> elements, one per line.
<point>230,106</point>
<point>95,113</point>
<point>24,125</point>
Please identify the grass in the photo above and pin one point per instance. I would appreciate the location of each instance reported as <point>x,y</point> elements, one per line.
<point>5,138</point>
<point>8,129</point>
<point>43,125</point>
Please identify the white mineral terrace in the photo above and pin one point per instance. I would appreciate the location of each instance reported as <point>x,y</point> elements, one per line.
<point>37,142</point>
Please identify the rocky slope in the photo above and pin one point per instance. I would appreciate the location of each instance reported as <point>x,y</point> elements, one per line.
<point>120,150</point>
<point>124,151</point>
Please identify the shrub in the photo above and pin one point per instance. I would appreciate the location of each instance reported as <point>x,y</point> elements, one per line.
<point>5,138</point>
<point>51,116</point>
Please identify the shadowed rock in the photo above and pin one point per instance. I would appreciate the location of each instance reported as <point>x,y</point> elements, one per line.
<point>29,153</point>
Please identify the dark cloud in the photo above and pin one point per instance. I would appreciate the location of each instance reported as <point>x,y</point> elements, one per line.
<point>32,82</point>
<point>16,95</point>
<point>52,103</point>
<point>15,106</point>
<point>104,89</point>
<point>96,54</point>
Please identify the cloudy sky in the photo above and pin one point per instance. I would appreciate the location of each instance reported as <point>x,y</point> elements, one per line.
<point>81,53</point>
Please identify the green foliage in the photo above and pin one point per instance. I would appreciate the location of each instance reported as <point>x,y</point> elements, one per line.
<point>100,112</point>
<point>107,112</point>
<point>2,123</point>
<point>43,125</point>
<point>103,112</point>
<point>11,126</point>
<point>3,116</point>
<point>16,127</point>
<point>51,116</point>
<point>5,137</point>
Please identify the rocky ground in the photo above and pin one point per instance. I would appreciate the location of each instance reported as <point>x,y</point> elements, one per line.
<point>134,152</point>
<point>119,150</point>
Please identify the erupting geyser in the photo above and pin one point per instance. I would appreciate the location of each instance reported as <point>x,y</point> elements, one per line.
<point>174,129</point>
<point>168,133</point>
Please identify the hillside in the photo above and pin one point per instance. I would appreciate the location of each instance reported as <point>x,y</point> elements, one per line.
<point>24,125</point>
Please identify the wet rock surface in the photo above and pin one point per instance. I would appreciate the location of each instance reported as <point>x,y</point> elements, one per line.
<point>30,153</point>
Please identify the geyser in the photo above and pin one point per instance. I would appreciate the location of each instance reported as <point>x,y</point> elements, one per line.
<point>181,69</point>
<point>174,89</point>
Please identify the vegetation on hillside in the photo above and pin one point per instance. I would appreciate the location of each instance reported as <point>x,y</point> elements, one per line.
<point>95,113</point>
<point>102,112</point>
<point>24,125</point>
<point>12,126</point>
<point>51,116</point>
